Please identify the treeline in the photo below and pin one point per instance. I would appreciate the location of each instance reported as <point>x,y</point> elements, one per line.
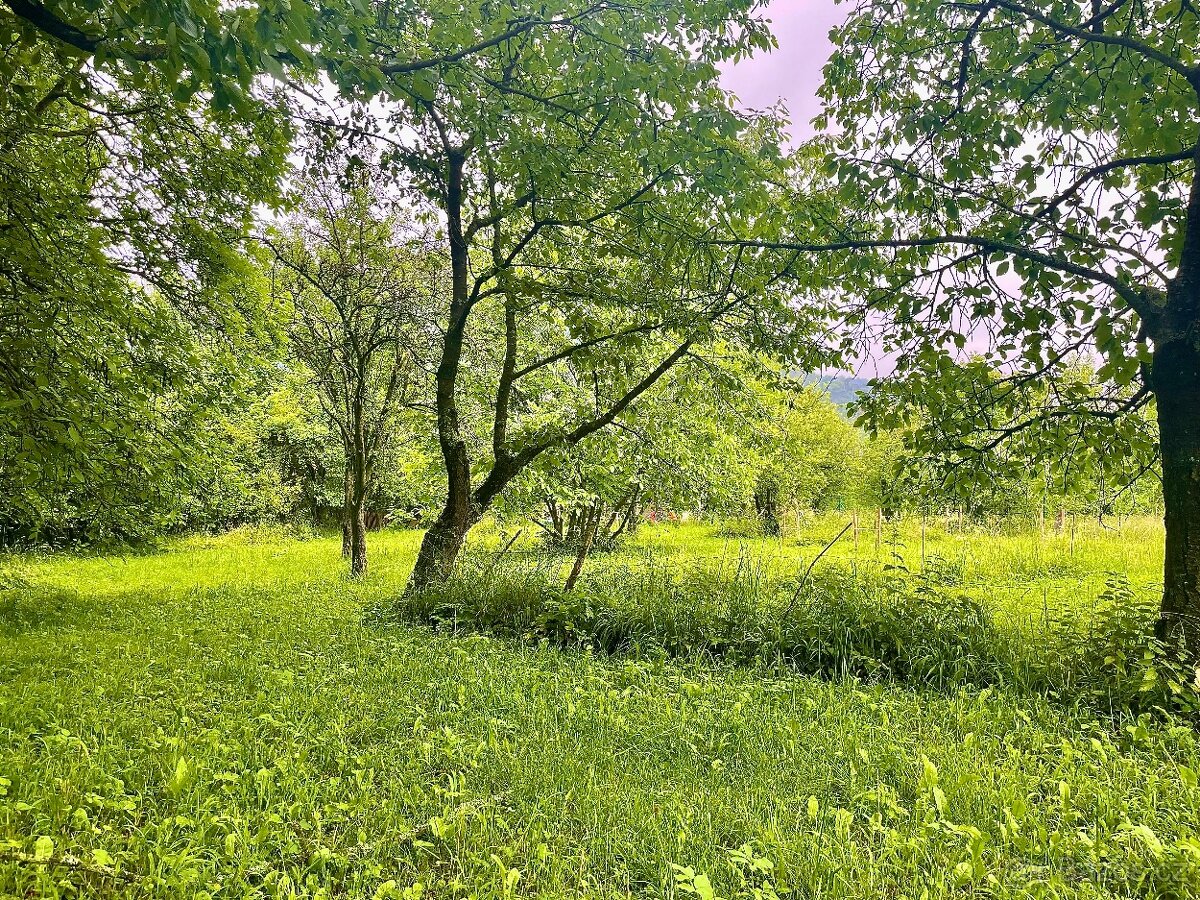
<point>302,387</point>
<point>310,396</point>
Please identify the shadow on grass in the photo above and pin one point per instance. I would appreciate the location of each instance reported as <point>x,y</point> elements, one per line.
<point>31,608</point>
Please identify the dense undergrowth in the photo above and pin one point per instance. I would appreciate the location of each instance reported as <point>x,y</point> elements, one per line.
<point>920,627</point>
<point>216,721</point>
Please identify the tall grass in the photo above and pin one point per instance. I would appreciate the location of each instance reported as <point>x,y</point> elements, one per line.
<point>754,604</point>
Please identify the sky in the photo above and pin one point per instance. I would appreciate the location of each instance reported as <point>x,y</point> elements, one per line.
<point>793,71</point>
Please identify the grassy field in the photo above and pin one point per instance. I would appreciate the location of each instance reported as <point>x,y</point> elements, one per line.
<point>216,720</point>
<point>1017,571</point>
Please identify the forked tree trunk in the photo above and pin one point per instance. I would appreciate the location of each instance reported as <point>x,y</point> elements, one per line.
<point>1176,381</point>
<point>444,539</point>
<point>464,507</point>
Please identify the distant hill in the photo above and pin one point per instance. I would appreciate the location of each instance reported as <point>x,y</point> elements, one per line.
<point>842,389</point>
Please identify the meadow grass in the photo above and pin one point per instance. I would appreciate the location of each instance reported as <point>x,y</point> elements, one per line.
<point>1018,570</point>
<point>216,720</point>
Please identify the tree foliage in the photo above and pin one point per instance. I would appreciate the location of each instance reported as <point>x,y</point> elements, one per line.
<point>125,299</point>
<point>360,285</point>
<point>1030,177</point>
<point>571,166</point>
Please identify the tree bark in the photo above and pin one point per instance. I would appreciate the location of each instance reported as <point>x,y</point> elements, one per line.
<point>766,505</point>
<point>585,544</point>
<point>556,521</point>
<point>1175,374</point>
<point>357,520</point>
<point>444,539</point>
<point>348,513</point>
<point>439,550</point>
<point>358,543</point>
<point>1175,380</point>
<point>633,513</point>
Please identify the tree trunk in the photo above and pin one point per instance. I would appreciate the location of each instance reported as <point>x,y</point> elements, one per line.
<point>348,513</point>
<point>633,513</point>
<point>1175,374</point>
<point>585,544</point>
<point>766,505</point>
<point>439,550</point>
<point>444,539</point>
<point>556,521</point>
<point>357,520</point>
<point>358,543</point>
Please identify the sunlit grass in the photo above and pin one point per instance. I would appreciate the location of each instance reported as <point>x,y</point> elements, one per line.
<point>1016,571</point>
<point>216,721</point>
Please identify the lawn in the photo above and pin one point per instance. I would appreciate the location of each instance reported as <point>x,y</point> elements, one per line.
<point>216,720</point>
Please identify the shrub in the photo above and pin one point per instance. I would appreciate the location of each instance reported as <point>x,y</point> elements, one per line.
<point>835,624</point>
<point>1114,656</point>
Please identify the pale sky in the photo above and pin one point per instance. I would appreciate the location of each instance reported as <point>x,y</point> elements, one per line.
<point>792,72</point>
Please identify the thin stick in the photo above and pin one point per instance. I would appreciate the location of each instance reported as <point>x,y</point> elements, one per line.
<point>804,579</point>
<point>499,556</point>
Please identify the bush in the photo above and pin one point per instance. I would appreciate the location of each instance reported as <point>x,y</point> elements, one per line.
<point>898,627</point>
<point>1114,656</point>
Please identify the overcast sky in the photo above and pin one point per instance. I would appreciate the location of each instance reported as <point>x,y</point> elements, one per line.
<point>793,72</point>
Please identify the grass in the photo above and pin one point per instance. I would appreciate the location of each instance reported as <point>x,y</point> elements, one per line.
<point>1017,572</point>
<point>217,721</point>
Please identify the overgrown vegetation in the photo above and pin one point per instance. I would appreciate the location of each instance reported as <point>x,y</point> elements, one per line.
<point>527,277</point>
<point>215,720</point>
<point>878,617</point>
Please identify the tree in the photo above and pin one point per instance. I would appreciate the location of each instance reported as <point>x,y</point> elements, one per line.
<point>359,281</point>
<point>802,449</point>
<point>1030,175</point>
<point>675,449</point>
<point>568,166</point>
<point>125,315</point>
<point>139,139</point>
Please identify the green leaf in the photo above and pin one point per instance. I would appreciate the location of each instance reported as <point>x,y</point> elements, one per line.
<point>181,778</point>
<point>929,774</point>
<point>43,848</point>
<point>704,887</point>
